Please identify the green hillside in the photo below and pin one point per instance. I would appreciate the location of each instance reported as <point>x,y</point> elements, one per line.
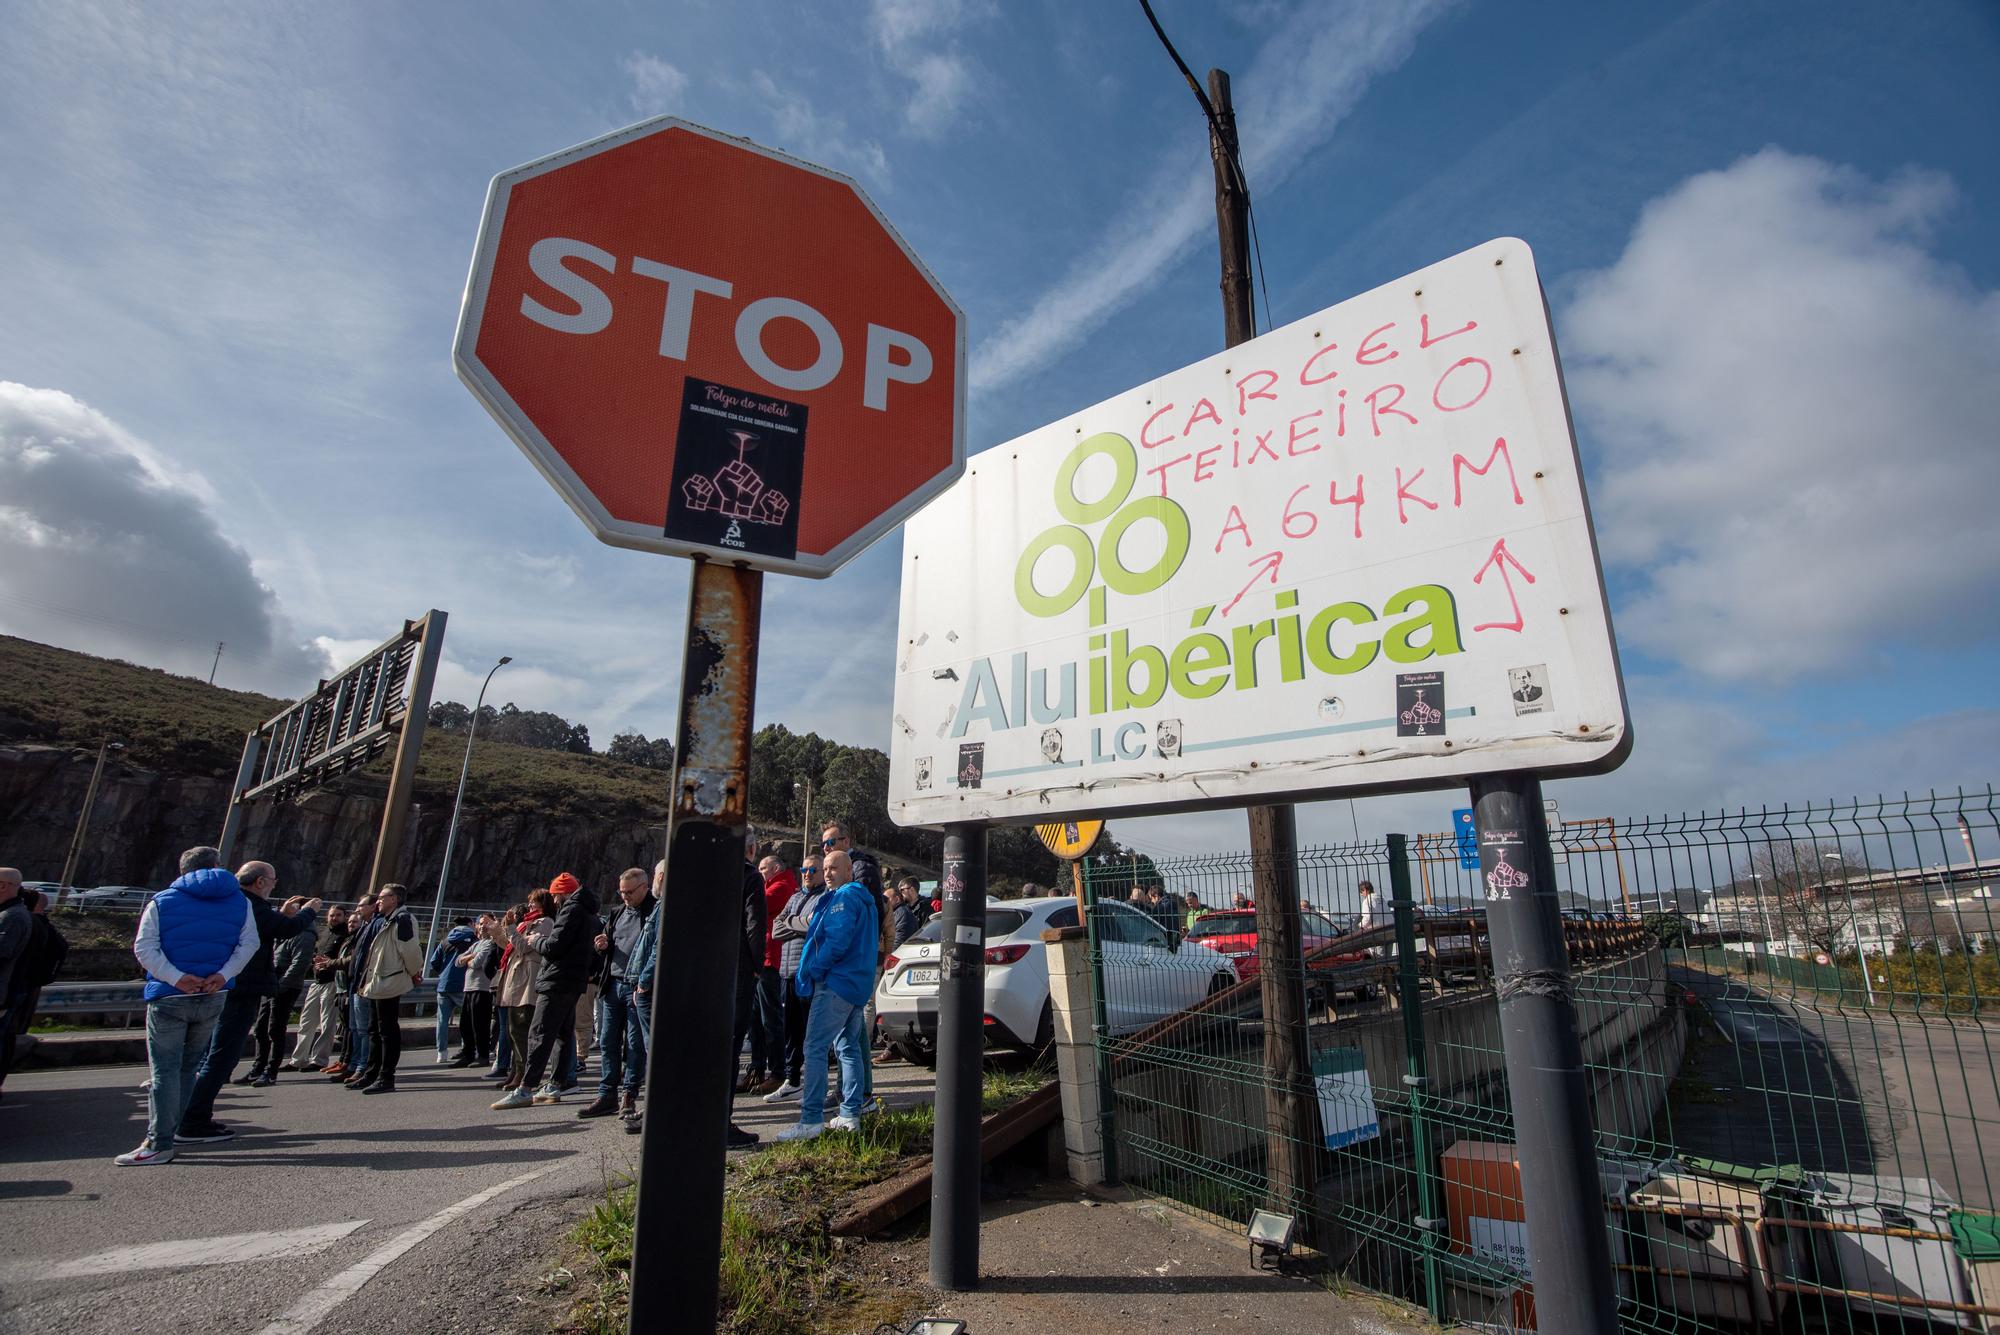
<point>180,725</point>
<point>184,726</point>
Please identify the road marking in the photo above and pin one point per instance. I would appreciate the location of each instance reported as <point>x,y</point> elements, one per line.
<point>203,1251</point>
<point>310,1310</point>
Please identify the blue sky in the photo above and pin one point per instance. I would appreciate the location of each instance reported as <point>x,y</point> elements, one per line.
<point>235,239</point>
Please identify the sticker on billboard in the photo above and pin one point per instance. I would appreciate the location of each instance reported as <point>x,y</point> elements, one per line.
<point>1419,704</point>
<point>971,764</point>
<point>739,464</point>
<point>1529,688</point>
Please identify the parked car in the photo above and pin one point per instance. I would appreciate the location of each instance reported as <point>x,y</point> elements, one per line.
<point>1233,932</point>
<point>112,897</point>
<point>1147,976</point>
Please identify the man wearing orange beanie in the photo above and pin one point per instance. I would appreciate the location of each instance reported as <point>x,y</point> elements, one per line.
<point>568,955</point>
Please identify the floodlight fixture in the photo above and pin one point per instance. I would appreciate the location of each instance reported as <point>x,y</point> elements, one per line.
<point>1270,1235</point>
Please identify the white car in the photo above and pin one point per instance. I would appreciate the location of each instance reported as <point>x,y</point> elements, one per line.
<point>1147,976</point>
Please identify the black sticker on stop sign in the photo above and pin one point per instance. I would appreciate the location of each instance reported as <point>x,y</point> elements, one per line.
<point>739,463</point>
<point>1420,704</point>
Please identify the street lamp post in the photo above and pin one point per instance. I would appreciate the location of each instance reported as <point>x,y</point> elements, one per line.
<point>83,816</point>
<point>805,830</point>
<point>451,835</point>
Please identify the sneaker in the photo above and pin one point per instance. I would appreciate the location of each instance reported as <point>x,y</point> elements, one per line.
<point>497,1073</point>
<point>146,1085</point>
<point>737,1138</point>
<point>803,1131</point>
<point>873,1105</point>
<point>569,1088</point>
<point>516,1097</point>
<point>464,1059</point>
<point>211,1134</point>
<point>788,1090</point>
<point>264,1082</point>
<point>601,1106</point>
<point>441,1059</point>
<point>550,1094</point>
<point>635,1125</point>
<point>145,1157</point>
<point>380,1087</point>
<point>844,1124</point>
<point>886,1057</point>
<point>249,1079</point>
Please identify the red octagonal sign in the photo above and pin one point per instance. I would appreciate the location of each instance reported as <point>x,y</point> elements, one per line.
<point>713,349</point>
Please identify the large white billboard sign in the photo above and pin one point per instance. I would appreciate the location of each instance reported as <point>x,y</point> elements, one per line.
<point>1351,555</point>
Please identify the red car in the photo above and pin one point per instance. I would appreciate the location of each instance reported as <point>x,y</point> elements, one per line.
<point>1233,933</point>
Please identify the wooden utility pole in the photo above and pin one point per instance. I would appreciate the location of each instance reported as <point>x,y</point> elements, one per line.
<point>1290,1122</point>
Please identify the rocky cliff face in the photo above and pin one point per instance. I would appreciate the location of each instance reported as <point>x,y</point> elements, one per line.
<point>321,844</point>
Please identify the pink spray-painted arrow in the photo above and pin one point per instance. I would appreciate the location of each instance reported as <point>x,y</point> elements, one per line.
<point>1266,566</point>
<point>1499,560</point>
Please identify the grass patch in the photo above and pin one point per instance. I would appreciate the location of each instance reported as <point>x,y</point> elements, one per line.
<point>782,1273</point>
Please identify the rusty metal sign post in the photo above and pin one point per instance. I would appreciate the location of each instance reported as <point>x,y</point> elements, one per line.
<point>690,1080</point>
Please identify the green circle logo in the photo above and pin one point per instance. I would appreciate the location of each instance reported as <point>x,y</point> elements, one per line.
<point>1085,560</point>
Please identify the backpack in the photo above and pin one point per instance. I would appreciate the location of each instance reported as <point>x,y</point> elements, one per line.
<point>42,961</point>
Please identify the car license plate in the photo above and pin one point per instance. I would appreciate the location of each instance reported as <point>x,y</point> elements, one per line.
<point>920,977</point>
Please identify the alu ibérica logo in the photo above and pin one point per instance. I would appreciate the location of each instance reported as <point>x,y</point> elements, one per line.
<point>1118,675</point>
<point>1088,560</point>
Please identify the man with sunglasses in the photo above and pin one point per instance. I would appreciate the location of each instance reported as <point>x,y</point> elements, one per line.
<point>788,930</point>
<point>833,839</point>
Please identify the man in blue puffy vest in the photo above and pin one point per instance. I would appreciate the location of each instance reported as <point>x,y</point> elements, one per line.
<point>258,980</point>
<point>194,938</point>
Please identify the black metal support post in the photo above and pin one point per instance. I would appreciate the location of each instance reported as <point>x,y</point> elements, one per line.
<point>1569,1255</point>
<point>677,1233</point>
<point>961,1046</point>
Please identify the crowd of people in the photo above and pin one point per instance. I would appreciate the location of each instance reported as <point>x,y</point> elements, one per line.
<point>534,991</point>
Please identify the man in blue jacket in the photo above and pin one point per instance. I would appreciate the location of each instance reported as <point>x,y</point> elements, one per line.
<point>837,972</point>
<point>443,967</point>
<point>194,938</point>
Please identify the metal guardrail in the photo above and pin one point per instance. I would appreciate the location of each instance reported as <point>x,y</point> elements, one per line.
<point>117,998</point>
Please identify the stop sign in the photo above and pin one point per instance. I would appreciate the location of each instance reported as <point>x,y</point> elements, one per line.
<point>710,348</point>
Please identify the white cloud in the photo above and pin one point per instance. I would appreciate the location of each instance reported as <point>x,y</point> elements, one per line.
<point>908,34</point>
<point>106,546</point>
<point>1792,401</point>
<point>1303,83</point>
<point>819,137</point>
<point>557,570</point>
<point>658,88</point>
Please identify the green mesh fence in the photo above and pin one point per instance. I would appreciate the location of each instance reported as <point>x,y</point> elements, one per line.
<point>1788,1019</point>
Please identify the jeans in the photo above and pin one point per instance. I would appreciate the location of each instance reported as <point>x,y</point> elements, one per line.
<point>385,1037</point>
<point>274,1017</point>
<point>555,1020</point>
<point>322,1020</point>
<point>796,1010</point>
<point>834,1025</point>
<point>746,1024</point>
<point>225,1049</point>
<point>771,1016</point>
<point>447,1002</point>
<point>621,1041</point>
<point>359,1046</point>
<point>475,1030</point>
<point>503,1036</point>
<point>519,1018</point>
<point>178,1031</point>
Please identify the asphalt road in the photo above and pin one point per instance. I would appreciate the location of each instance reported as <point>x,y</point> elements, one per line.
<point>239,1235</point>
<point>1891,1094</point>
